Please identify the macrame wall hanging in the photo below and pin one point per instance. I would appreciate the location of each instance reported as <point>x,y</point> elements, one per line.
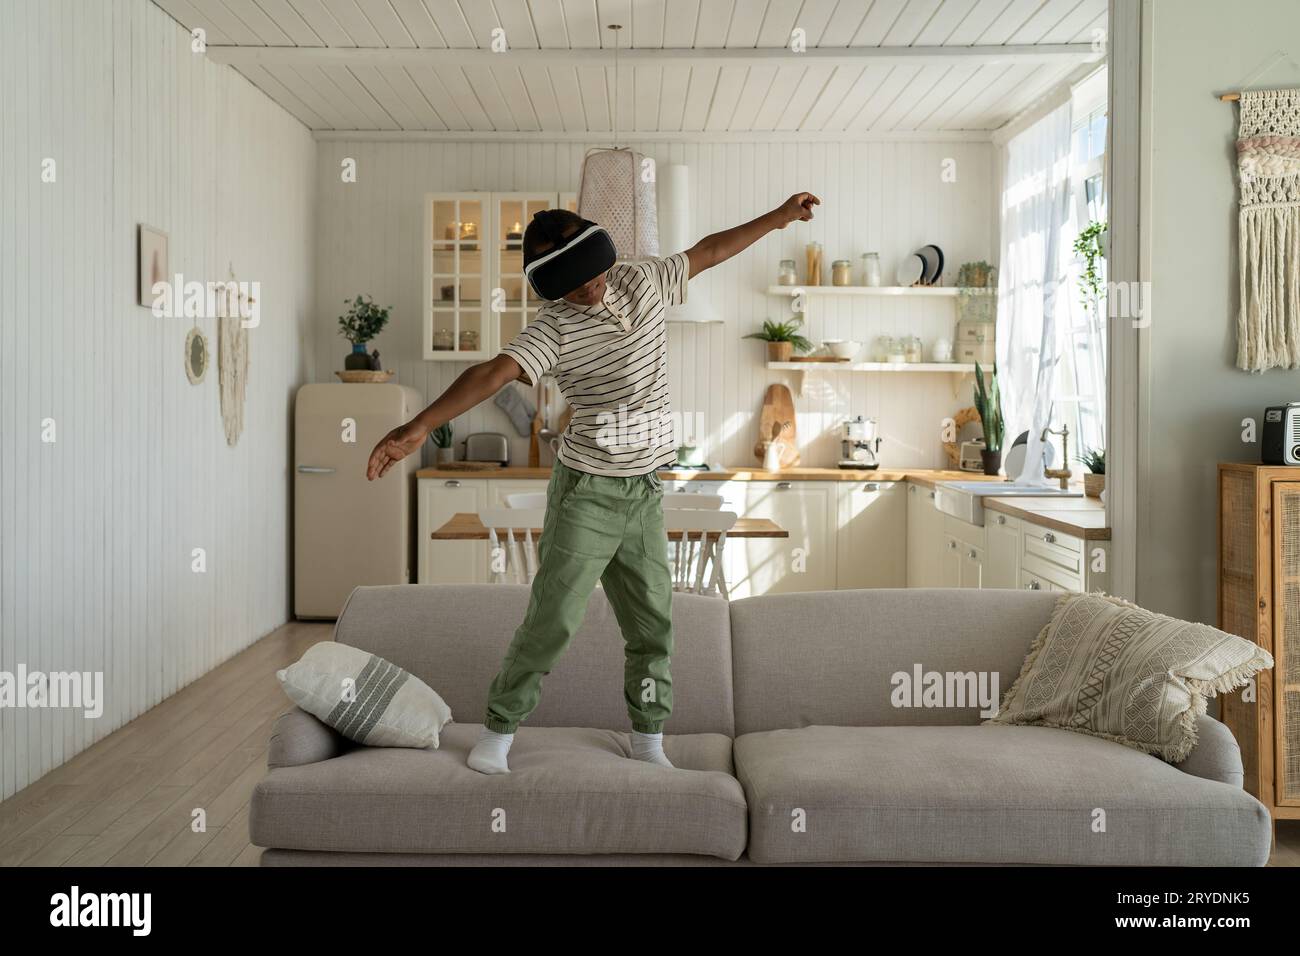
<point>1268,164</point>
<point>232,360</point>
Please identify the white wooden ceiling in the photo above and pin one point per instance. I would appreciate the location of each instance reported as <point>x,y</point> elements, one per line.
<point>712,66</point>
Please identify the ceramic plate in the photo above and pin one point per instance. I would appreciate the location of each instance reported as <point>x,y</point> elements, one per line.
<point>910,271</point>
<point>933,257</point>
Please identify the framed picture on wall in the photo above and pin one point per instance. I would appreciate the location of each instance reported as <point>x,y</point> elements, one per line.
<point>153,262</point>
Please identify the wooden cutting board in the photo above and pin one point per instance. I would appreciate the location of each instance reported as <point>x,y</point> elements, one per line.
<point>778,413</point>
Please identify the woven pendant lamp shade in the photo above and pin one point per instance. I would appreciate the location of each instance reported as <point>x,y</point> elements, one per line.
<point>614,193</point>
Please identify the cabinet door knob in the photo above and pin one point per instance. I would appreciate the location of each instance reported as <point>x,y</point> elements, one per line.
<point>1002,519</point>
<point>783,486</point>
<point>871,486</point>
<point>452,483</point>
<point>1034,585</point>
<point>911,489</point>
<point>972,554</point>
<point>952,545</point>
<point>1049,537</point>
<point>932,494</point>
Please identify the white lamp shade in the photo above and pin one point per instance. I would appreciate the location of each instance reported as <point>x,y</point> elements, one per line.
<point>616,193</point>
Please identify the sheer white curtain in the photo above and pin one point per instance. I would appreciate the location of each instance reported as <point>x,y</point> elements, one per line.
<point>1032,277</point>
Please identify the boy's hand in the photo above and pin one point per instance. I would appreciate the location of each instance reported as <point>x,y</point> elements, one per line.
<point>798,208</point>
<point>395,446</point>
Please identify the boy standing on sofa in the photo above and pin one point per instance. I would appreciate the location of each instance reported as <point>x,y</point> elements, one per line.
<point>602,336</point>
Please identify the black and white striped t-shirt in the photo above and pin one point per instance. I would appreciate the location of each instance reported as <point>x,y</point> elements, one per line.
<point>611,363</point>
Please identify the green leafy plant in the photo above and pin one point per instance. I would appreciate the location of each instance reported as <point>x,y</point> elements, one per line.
<point>442,435</point>
<point>975,275</point>
<point>363,320</point>
<point>1088,245</point>
<point>1094,460</point>
<point>988,402</point>
<point>782,332</point>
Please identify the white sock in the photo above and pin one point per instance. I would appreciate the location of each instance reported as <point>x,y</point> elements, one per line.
<point>489,754</point>
<point>650,748</point>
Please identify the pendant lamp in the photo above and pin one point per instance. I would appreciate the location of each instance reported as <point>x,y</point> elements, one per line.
<point>617,190</point>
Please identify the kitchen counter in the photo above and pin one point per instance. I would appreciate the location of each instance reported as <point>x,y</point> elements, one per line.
<point>924,476</point>
<point>1082,517</point>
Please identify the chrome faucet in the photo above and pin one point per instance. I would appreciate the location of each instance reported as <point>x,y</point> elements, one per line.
<point>1063,474</point>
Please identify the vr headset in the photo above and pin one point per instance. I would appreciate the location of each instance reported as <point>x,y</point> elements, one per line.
<point>571,262</point>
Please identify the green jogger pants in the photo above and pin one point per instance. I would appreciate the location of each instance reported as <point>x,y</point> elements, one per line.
<point>602,529</point>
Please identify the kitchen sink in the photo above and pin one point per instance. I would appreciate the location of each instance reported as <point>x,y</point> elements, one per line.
<point>965,499</point>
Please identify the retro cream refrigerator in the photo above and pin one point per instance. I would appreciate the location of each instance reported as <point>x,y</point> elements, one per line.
<point>349,531</point>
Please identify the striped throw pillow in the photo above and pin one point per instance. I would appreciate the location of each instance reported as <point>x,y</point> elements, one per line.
<point>364,697</point>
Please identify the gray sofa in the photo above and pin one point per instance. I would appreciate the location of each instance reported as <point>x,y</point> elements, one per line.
<point>783,718</point>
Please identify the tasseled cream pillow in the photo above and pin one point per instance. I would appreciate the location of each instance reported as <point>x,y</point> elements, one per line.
<point>1109,669</point>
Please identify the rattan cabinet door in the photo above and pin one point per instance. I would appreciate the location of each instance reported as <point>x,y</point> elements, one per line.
<point>1286,639</point>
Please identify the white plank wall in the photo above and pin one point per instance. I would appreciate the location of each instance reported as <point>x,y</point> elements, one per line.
<point>96,530</point>
<point>883,196</point>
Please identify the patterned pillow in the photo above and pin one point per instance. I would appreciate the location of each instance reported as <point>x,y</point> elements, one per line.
<point>364,697</point>
<point>1109,669</point>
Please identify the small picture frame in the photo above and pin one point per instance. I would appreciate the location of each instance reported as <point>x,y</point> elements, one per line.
<point>197,355</point>
<point>154,267</point>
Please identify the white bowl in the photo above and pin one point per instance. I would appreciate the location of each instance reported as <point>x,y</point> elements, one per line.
<point>842,349</point>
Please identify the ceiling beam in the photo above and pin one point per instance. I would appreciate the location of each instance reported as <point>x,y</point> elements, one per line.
<point>239,56</point>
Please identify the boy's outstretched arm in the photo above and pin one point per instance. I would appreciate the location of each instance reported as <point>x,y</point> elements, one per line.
<point>476,383</point>
<point>721,246</point>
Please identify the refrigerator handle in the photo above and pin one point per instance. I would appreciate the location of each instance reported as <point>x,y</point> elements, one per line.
<point>314,470</point>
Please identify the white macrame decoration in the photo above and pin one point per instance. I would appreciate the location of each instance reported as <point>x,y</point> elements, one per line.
<point>1268,164</point>
<point>232,361</point>
<point>617,191</point>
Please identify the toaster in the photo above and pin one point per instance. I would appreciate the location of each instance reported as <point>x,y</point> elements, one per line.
<point>487,446</point>
<point>1280,443</point>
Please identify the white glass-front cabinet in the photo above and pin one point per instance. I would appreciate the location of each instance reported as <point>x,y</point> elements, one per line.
<point>475,296</point>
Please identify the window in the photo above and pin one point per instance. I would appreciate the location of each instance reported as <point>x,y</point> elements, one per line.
<point>1081,375</point>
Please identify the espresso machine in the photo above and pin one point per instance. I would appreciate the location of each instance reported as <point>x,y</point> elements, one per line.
<point>859,444</point>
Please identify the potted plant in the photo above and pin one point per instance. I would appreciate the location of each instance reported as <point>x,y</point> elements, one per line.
<point>442,442</point>
<point>1094,483</point>
<point>782,339</point>
<point>988,402</point>
<point>362,322</point>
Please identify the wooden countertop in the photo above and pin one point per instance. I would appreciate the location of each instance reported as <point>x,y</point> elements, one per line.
<point>925,476</point>
<point>466,526</point>
<point>1082,517</point>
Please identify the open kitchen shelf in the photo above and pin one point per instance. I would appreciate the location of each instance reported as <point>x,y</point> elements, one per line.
<point>918,290</point>
<point>803,368</point>
<point>872,367</point>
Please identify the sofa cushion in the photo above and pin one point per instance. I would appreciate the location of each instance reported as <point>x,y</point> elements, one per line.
<point>830,657</point>
<point>986,794</point>
<point>1106,667</point>
<point>570,790</point>
<point>453,637</point>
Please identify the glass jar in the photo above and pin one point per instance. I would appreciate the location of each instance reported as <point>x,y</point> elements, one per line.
<point>841,272</point>
<point>884,348</point>
<point>871,269</point>
<point>912,348</point>
<point>442,340</point>
<point>786,274</point>
<point>469,340</point>
<point>813,255</point>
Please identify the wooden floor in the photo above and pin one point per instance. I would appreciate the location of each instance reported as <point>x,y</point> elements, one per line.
<point>129,799</point>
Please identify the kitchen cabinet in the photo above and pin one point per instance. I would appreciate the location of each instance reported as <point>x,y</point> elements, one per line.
<point>805,561</point>
<point>476,298</point>
<point>449,562</point>
<point>1002,551</point>
<point>925,544</point>
<point>962,565</point>
<point>871,537</point>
